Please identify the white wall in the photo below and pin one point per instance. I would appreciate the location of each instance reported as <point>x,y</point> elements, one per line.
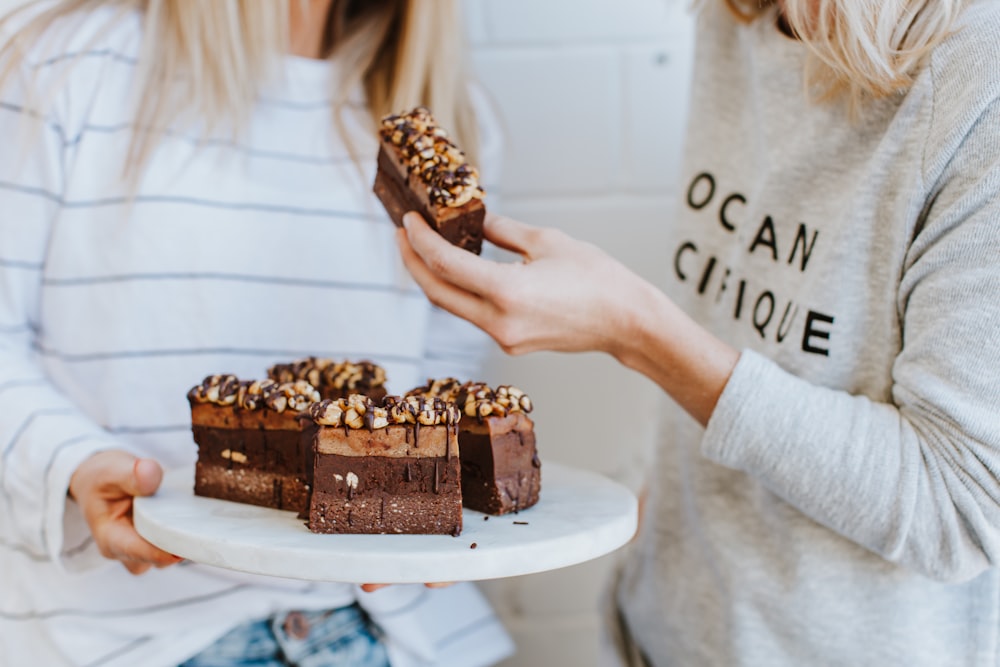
<point>592,93</point>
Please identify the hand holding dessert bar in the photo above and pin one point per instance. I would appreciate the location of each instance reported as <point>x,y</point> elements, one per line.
<point>567,295</point>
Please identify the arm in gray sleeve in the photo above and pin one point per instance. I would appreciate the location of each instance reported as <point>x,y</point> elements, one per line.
<point>917,479</point>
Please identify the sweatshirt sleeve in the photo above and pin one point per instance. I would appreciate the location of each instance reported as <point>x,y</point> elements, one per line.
<point>43,435</point>
<point>917,479</point>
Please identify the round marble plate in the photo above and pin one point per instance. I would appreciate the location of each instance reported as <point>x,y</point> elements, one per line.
<point>580,515</point>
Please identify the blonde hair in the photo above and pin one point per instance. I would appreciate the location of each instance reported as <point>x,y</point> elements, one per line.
<point>206,61</point>
<point>862,48</point>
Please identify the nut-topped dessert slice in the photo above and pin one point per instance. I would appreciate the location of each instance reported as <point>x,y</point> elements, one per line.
<point>388,466</point>
<point>420,169</point>
<point>333,379</point>
<point>501,471</point>
<point>249,438</point>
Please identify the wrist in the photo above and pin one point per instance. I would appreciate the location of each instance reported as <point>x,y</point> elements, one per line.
<point>643,328</point>
<point>686,360</point>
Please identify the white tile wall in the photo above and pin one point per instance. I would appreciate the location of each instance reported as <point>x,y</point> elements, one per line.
<point>592,93</point>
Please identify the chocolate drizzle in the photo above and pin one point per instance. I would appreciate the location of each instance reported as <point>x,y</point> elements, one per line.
<point>476,399</point>
<point>361,377</point>
<point>250,395</point>
<point>358,411</point>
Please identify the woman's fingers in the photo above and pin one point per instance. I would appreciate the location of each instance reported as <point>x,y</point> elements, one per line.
<point>448,262</point>
<point>440,290</point>
<point>104,486</point>
<point>146,477</point>
<point>371,588</point>
<point>125,544</point>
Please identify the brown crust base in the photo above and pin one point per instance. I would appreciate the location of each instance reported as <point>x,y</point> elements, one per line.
<point>460,225</point>
<point>501,471</point>
<point>227,416</point>
<point>253,487</point>
<point>265,467</point>
<point>382,494</point>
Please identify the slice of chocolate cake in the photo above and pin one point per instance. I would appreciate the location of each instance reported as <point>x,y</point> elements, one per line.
<point>420,169</point>
<point>249,437</point>
<point>501,471</point>
<point>387,466</point>
<point>333,379</point>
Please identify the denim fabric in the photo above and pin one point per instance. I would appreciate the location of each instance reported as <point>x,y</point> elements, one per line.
<point>337,638</point>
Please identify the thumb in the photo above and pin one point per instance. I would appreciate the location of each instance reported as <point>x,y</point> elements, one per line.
<point>132,476</point>
<point>510,234</point>
<point>145,478</point>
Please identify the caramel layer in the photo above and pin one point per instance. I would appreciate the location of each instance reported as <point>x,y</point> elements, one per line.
<point>226,416</point>
<point>394,440</point>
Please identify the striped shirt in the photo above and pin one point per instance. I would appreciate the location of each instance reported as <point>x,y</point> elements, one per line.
<point>234,253</point>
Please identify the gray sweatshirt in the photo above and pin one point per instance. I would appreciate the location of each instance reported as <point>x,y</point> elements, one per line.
<point>843,505</point>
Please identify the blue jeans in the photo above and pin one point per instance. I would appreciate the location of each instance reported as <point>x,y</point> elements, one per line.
<point>337,638</point>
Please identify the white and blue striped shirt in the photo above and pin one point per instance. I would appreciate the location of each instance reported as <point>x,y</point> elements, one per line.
<point>232,255</point>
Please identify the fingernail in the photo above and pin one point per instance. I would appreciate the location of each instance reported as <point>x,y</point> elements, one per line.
<point>407,220</point>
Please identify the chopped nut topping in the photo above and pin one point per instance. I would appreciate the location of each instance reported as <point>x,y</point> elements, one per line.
<point>360,377</point>
<point>427,151</point>
<point>254,394</point>
<point>357,411</point>
<point>476,399</point>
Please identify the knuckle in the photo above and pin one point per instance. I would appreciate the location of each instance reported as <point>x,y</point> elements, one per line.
<point>550,236</point>
<point>437,264</point>
<point>506,336</point>
<point>506,295</point>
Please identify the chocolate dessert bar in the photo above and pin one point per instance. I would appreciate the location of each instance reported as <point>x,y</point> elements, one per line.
<point>388,466</point>
<point>501,471</point>
<point>249,438</point>
<point>420,169</point>
<point>333,379</point>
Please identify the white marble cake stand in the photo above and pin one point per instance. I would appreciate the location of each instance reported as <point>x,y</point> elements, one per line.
<point>580,515</point>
